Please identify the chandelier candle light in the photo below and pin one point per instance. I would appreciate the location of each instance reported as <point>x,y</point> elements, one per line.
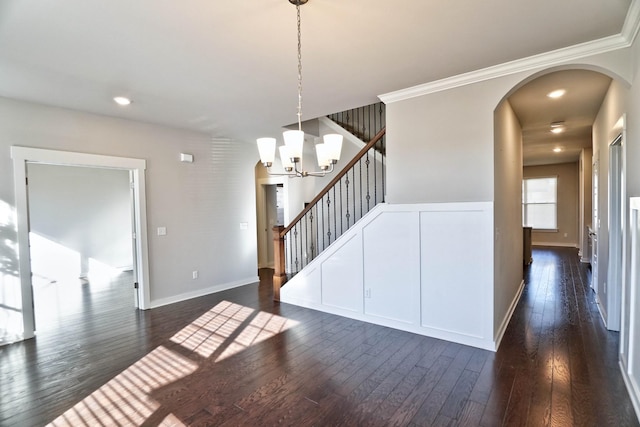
<point>328,152</point>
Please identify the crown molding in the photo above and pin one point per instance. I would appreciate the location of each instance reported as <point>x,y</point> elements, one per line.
<point>543,60</point>
<point>632,22</point>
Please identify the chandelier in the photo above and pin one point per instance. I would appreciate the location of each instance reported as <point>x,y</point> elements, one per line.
<point>328,152</point>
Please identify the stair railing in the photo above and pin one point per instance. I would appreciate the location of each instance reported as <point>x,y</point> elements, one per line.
<point>363,122</point>
<point>352,193</point>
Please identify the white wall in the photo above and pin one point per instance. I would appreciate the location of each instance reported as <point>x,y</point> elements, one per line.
<point>508,246</point>
<point>604,132</point>
<point>201,204</point>
<point>585,204</point>
<point>631,343</point>
<point>440,146</point>
<point>85,210</point>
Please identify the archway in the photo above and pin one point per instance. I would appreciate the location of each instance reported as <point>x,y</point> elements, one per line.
<point>588,118</point>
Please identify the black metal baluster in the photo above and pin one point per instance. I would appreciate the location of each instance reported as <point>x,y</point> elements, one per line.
<point>306,239</point>
<point>290,262</point>
<point>384,151</point>
<point>341,203</point>
<point>295,245</point>
<point>317,240</point>
<point>347,191</point>
<point>335,216</point>
<point>360,166</point>
<point>312,245</point>
<point>322,213</point>
<point>375,166</point>
<point>328,218</point>
<point>367,162</point>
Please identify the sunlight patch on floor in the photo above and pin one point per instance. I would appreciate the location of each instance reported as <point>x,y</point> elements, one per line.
<point>226,329</point>
<point>262,327</point>
<point>125,400</point>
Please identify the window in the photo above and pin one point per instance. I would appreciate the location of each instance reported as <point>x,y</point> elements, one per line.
<point>539,203</point>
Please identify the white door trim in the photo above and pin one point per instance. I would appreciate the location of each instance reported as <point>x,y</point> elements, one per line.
<point>23,155</point>
<point>261,212</point>
<point>617,216</point>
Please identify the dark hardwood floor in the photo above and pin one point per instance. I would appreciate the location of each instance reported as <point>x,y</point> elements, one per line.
<point>236,358</point>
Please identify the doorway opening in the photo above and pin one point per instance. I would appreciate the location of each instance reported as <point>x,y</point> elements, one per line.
<point>271,210</point>
<point>81,242</point>
<point>25,159</point>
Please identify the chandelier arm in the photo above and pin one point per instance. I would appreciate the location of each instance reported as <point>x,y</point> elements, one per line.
<point>289,174</point>
<point>320,173</point>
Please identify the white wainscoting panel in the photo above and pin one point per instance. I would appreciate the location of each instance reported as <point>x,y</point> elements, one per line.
<point>457,260</point>
<point>422,268</point>
<point>342,276</point>
<point>391,254</point>
<point>630,338</point>
<point>307,289</point>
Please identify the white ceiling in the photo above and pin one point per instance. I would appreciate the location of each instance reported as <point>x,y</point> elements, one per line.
<point>228,68</point>
<point>585,91</point>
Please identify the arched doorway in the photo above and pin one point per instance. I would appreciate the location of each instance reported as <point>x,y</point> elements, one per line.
<point>574,137</point>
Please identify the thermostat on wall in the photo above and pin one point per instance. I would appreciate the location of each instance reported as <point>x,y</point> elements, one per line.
<point>187,158</point>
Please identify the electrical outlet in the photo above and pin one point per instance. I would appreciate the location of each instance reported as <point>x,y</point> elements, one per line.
<point>195,274</point>
<point>367,293</point>
<point>565,234</point>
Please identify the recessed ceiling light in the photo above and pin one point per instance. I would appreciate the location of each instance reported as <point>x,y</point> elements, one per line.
<point>557,127</point>
<point>557,150</point>
<point>121,100</point>
<point>556,93</point>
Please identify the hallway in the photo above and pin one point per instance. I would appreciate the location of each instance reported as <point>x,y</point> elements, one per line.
<point>557,357</point>
<point>237,358</point>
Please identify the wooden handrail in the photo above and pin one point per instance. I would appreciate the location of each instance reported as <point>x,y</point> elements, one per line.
<point>335,180</point>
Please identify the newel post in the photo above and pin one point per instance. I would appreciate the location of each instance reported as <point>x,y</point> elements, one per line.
<point>279,275</point>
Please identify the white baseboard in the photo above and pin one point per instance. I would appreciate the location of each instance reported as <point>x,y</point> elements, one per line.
<point>7,338</point>
<point>507,317</point>
<point>632,387</point>
<point>485,344</point>
<point>602,314</point>
<point>262,265</point>
<point>202,292</point>
<point>555,244</point>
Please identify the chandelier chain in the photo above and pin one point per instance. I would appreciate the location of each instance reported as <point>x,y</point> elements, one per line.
<point>299,69</point>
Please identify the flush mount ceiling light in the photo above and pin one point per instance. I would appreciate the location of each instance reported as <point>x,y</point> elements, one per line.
<point>328,153</point>
<point>556,93</point>
<point>121,100</point>
<point>557,150</point>
<point>557,127</point>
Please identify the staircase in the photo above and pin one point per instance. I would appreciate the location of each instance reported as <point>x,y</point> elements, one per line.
<point>364,122</point>
<point>353,192</point>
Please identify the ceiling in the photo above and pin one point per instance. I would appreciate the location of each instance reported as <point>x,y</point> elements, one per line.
<point>228,68</point>
<point>576,109</point>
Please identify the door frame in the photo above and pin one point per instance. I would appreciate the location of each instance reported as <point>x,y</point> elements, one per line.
<point>261,208</point>
<point>617,217</point>
<point>23,155</point>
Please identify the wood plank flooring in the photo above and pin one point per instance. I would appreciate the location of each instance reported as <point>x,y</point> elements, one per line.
<point>236,358</point>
